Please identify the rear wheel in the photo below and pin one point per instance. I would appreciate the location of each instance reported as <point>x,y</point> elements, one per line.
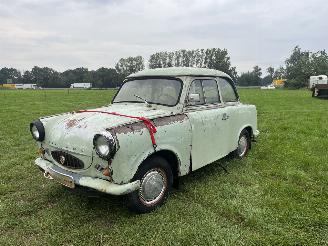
<point>156,180</point>
<point>244,144</point>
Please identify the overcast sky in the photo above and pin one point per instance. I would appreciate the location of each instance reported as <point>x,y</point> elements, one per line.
<point>64,34</point>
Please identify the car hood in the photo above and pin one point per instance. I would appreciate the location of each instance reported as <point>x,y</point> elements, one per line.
<point>75,131</point>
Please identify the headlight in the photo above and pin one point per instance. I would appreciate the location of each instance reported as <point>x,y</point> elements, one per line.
<point>104,145</point>
<point>37,130</point>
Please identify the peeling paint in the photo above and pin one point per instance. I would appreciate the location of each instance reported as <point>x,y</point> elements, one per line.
<point>162,121</point>
<point>74,122</point>
<point>134,127</point>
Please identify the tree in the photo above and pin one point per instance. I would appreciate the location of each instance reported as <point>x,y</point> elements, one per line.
<point>105,78</point>
<point>319,63</point>
<point>270,71</point>
<point>11,75</point>
<point>45,77</point>
<point>279,73</point>
<point>303,64</point>
<point>252,78</point>
<point>27,77</point>
<point>267,80</point>
<point>257,71</point>
<point>214,58</point>
<point>77,75</point>
<point>298,66</point>
<point>127,66</point>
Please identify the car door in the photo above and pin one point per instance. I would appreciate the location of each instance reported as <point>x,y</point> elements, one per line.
<point>230,100</point>
<point>209,122</point>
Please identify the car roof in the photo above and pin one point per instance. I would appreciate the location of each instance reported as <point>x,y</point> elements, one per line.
<point>179,71</point>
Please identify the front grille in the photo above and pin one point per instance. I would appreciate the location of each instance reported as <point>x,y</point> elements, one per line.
<point>67,160</point>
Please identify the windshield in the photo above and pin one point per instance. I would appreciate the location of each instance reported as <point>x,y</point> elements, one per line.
<point>153,90</point>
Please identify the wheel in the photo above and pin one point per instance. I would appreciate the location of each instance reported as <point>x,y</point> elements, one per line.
<point>316,92</point>
<point>156,181</point>
<point>244,144</point>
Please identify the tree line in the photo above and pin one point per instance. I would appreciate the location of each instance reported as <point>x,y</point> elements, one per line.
<point>214,58</point>
<point>297,69</point>
<point>46,77</point>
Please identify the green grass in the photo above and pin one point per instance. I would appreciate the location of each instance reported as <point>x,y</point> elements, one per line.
<point>277,195</point>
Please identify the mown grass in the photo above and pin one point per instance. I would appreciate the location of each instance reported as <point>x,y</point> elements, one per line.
<point>278,195</point>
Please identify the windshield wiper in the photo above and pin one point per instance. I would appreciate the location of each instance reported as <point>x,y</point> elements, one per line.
<point>147,103</point>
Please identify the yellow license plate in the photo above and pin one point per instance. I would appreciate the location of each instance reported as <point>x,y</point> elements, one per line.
<point>61,178</point>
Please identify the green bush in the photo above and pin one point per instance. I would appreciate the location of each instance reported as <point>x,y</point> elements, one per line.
<point>295,84</point>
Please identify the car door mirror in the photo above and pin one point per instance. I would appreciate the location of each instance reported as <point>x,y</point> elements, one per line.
<point>193,98</point>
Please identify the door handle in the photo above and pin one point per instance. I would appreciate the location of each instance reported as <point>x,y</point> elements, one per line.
<point>225,116</point>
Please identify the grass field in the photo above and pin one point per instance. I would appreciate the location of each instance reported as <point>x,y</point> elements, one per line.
<point>277,195</point>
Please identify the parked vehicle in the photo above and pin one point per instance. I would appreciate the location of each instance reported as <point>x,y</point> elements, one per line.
<point>319,86</point>
<point>268,87</point>
<point>162,124</point>
<point>279,82</point>
<point>19,86</point>
<point>26,86</point>
<point>81,85</point>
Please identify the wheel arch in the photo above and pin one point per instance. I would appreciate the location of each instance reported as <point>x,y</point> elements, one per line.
<point>173,160</point>
<point>250,131</point>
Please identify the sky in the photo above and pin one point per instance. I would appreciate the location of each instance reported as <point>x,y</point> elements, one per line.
<point>64,34</point>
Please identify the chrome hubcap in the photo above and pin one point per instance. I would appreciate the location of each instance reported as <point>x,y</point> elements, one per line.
<point>242,146</point>
<point>153,185</point>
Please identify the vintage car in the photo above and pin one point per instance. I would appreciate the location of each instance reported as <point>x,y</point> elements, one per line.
<point>162,124</point>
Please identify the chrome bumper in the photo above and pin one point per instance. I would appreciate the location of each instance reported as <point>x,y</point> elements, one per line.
<point>93,183</point>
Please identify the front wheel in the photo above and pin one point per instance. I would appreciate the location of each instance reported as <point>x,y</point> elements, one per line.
<point>156,180</point>
<point>244,144</point>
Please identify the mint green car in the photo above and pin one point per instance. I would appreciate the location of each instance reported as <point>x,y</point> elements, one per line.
<point>162,124</point>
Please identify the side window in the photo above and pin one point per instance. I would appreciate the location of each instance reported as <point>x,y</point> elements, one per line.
<point>196,90</point>
<point>227,92</point>
<point>211,91</point>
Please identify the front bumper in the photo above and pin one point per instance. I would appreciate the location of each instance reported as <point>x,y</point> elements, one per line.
<point>90,182</point>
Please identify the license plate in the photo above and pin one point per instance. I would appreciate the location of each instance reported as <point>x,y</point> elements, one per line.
<point>61,178</point>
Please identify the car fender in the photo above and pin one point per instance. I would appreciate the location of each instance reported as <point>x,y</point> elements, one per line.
<point>173,134</point>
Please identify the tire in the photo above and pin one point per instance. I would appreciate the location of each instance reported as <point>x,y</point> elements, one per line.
<point>244,145</point>
<point>156,181</point>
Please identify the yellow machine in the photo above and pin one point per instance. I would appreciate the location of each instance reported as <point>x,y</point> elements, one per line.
<point>8,86</point>
<point>279,82</point>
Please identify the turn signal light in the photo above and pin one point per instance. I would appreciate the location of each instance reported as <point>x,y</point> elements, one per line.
<point>41,152</point>
<point>106,172</point>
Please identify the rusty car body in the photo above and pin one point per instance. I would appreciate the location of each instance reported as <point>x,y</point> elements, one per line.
<point>162,124</point>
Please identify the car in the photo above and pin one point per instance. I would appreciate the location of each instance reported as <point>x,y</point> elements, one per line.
<point>268,87</point>
<point>162,124</point>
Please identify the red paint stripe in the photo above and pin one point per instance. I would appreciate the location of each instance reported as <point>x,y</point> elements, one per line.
<point>148,123</point>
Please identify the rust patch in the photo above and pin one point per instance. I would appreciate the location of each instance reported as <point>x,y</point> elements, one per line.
<point>138,126</point>
<point>134,127</point>
<point>167,120</point>
<point>73,123</point>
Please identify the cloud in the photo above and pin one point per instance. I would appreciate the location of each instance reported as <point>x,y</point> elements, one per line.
<point>67,34</point>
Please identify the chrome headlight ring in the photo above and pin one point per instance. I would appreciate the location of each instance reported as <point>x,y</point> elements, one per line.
<point>37,130</point>
<point>105,145</point>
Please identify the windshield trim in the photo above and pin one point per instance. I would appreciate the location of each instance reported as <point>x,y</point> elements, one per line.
<point>150,77</point>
